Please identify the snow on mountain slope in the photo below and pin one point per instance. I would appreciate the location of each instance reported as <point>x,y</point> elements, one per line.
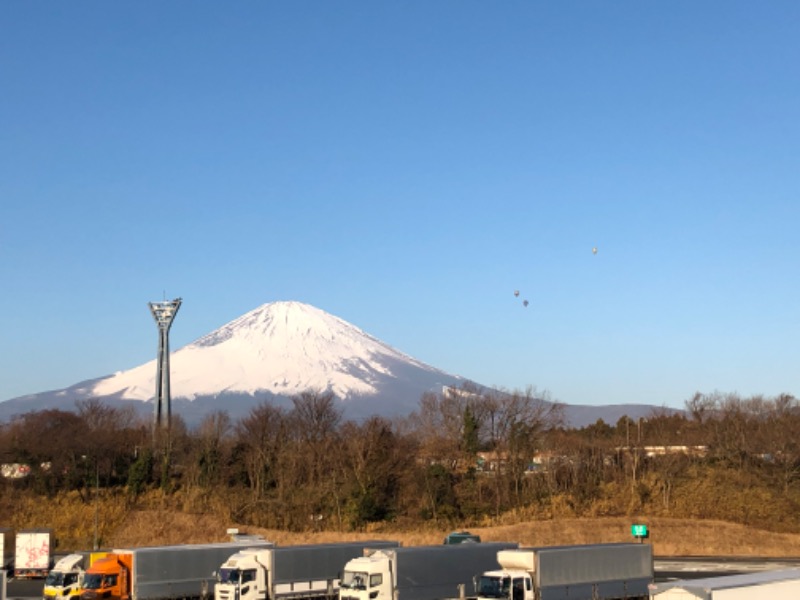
<point>270,354</point>
<point>284,348</point>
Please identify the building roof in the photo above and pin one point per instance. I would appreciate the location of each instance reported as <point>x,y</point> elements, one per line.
<point>709,584</point>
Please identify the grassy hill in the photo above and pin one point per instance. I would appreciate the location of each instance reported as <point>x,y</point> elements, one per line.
<point>160,519</point>
<point>669,537</point>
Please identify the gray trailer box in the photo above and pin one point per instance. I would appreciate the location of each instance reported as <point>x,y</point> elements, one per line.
<point>593,571</point>
<point>316,562</point>
<point>183,571</point>
<point>429,572</point>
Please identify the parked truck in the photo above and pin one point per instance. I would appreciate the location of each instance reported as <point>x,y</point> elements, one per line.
<point>306,572</point>
<point>158,572</point>
<point>65,579</point>
<point>418,572</point>
<point>33,553</point>
<point>6,548</point>
<point>588,572</point>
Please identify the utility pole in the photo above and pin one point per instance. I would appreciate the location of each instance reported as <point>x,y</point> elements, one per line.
<point>96,493</point>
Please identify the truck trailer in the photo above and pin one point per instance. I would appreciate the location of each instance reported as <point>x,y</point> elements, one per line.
<point>33,553</point>
<point>289,572</point>
<point>783,584</point>
<point>6,548</point>
<point>418,572</point>
<point>157,572</point>
<point>588,572</point>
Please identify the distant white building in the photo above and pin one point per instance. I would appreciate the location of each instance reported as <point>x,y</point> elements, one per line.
<point>20,470</point>
<point>14,470</point>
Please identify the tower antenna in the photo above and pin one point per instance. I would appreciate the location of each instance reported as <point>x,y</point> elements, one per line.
<point>163,313</point>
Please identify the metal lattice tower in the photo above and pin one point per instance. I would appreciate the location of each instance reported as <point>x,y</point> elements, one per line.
<point>164,313</point>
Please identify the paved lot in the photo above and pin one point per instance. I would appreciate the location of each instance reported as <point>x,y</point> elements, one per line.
<point>24,588</point>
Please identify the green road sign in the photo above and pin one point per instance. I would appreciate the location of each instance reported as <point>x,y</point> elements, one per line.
<point>639,531</point>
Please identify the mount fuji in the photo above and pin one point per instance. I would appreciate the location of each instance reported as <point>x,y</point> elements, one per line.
<point>272,353</point>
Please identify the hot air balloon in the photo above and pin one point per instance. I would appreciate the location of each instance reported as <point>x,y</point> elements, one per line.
<point>524,303</point>
<point>516,293</point>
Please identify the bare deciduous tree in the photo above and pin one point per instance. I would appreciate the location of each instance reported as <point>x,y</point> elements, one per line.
<point>262,436</point>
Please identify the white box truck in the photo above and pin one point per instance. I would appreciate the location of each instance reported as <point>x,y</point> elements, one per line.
<point>305,572</point>
<point>33,553</point>
<point>418,572</point>
<point>590,572</point>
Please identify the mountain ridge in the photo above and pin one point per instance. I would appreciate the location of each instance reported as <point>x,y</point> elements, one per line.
<point>271,353</point>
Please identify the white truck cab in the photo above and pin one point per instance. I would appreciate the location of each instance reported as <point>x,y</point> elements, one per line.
<point>367,578</point>
<point>506,584</point>
<point>65,578</point>
<point>513,581</point>
<point>243,576</point>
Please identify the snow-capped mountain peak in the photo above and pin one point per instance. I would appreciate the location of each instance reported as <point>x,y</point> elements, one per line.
<point>283,348</point>
<point>272,353</point>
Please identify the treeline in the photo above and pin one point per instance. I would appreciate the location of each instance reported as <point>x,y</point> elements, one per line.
<point>463,458</point>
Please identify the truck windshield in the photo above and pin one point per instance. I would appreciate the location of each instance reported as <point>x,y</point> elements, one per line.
<point>493,586</point>
<point>354,580</point>
<point>93,581</point>
<point>228,576</point>
<point>58,579</point>
<point>236,576</point>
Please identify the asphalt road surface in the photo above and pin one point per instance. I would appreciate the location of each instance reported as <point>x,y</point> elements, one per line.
<point>24,588</point>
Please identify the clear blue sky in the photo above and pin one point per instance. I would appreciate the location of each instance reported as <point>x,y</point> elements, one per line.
<point>406,166</point>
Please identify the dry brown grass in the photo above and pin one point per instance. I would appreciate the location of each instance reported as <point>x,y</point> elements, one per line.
<point>669,537</point>
<point>159,520</point>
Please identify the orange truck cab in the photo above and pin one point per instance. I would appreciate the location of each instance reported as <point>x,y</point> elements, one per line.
<point>108,578</point>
